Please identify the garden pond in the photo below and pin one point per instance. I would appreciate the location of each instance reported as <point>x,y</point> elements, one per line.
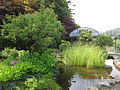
<point>81,78</point>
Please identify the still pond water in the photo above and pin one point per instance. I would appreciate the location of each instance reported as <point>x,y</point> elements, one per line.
<point>81,78</point>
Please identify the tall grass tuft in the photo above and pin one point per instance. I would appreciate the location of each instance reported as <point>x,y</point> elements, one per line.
<point>85,55</point>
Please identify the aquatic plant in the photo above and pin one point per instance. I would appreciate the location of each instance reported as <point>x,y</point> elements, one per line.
<point>85,55</point>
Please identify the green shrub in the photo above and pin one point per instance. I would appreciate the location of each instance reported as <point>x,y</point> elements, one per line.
<point>39,84</point>
<point>22,53</point>
<point>8,52</point>
<point>30,64</point>
<point>84,55</point>
<point>35,32</point>
<point>64,45</point>
<point>15,72</point>
<point>104,40</point>
<point>85,36</point>
<point>42,63</point>
<point>51,50</point>
<point>5,42</point>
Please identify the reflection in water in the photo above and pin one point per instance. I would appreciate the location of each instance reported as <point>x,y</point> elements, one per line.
<point>73,77</point>
<point>83,84</point>
<point>81,78</point>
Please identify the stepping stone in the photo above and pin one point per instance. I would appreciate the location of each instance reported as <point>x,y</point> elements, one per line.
<point>117,64</point>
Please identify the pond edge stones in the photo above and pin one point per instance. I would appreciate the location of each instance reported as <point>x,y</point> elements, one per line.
<point>114,64</point>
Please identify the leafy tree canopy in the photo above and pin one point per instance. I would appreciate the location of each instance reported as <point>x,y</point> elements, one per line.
<point>14,7</point>
<point>35,32</point>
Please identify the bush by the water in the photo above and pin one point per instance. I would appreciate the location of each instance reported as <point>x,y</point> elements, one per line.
<point>85,55</point>
<point>104,40</point>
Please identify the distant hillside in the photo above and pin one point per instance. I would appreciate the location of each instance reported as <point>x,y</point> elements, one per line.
<point>113,32</point>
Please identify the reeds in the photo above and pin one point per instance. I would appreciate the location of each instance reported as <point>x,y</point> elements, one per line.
<point>85,55</point>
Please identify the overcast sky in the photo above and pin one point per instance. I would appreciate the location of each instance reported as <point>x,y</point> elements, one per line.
<point>101,15</point>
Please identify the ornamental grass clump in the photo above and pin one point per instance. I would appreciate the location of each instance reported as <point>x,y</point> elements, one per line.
<point>85,55</point>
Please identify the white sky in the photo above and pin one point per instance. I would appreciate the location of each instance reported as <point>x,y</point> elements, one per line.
<point>101,15</point>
